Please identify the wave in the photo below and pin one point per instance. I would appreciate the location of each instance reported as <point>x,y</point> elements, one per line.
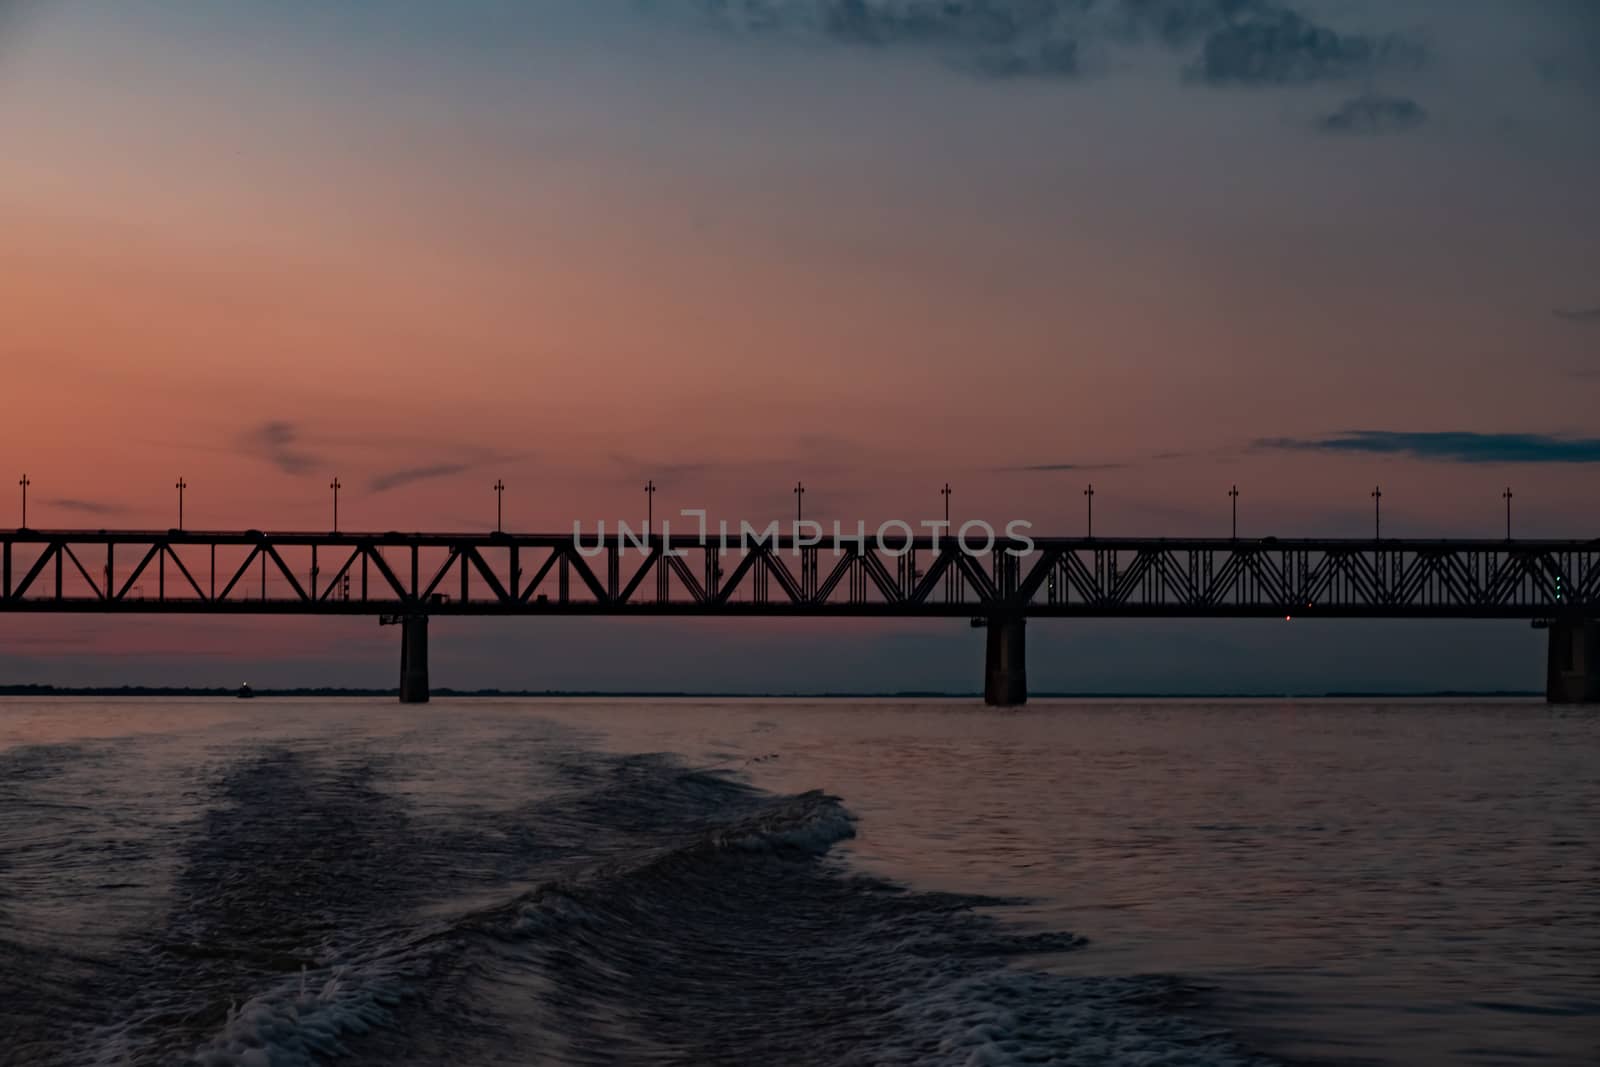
<point>308,1025</point>
<point>745,943</point>
<point>675,917</point>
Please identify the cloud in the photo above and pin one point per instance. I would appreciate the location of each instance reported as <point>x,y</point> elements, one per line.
<point>278,442</point>
<point>382,483</point>
<point>1272,45</point>
<point>1174,23</point>
<point>1231,42</point>
<point>1449,447</point>
<point>1042,468</point>
<point>1006,39</point>
<point>1588,316</point>
<point>1374,114</point>
<point>87,507</point>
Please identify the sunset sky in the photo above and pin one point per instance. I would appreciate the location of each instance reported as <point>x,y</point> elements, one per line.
<point>1306,247</point>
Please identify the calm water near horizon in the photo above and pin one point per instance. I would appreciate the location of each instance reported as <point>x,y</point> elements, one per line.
<point>273,882</point>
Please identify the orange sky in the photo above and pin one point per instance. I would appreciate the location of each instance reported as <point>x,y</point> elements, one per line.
<point>259,254</point>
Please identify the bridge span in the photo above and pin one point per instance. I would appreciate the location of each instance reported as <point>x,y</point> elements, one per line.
<point>408,578</point>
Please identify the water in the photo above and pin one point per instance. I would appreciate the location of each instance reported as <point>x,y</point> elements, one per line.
<point>792,882</point>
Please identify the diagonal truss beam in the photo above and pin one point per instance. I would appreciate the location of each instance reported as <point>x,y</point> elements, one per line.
<point>183,570</point>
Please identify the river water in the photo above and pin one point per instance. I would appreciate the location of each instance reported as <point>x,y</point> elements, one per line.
<point>798,882</point>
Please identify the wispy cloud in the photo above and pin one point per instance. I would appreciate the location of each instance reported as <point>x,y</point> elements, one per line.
<point>87,507</point>
<point>382,483</point>
<point>1448,447</point>
<point>1588,316</point>
<point>1040,468</point>
<point>280,443</point>
<point>1372,113</point>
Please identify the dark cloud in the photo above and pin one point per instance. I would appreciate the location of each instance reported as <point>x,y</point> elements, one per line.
<point>87,507</point>
<point>1374,114</point>
<point>1449,447</point>
<point>382,483</point>
<point>1175,23</point>
<point>1271,45</point>
<point>1589,316</point>
<point>993,39</point>
<point>1232,42</point>
<point>279,443</point>
<point>1255,42</point>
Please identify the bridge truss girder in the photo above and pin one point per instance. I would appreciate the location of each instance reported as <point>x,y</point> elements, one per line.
<point>496,574</point>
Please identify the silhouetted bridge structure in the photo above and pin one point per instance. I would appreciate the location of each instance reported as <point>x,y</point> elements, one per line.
<point>407,578</point>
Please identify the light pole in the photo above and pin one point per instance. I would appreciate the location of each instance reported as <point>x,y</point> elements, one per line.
<point>24,483</point>
<point>799,500</point>
<point>335,486</point>
<point>182,485</point>
<point>1377,513</point>
<point>945,492</point>
<point>499,511</point>
<point>649,507</point>
<point>1507,496</point>
<point>1233,494</point>
<point>1088,496</point>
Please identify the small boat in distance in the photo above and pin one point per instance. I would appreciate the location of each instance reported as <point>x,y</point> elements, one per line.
<point>245,692</point>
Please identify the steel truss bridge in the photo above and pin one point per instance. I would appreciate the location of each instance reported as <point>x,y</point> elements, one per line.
<point>409,577</point>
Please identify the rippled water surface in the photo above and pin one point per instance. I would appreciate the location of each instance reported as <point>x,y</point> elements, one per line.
<point>806,882</point>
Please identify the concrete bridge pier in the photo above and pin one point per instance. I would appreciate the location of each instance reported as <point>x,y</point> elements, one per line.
<point>1573,672</point>
<point>1005,668</point>
<point>414,659</point>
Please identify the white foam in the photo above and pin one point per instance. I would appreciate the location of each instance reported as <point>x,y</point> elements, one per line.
<point>297,1025</point>
<point>812,822</point>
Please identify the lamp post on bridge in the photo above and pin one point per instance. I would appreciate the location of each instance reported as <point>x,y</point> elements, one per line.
<point>499,510</point>
<point>335,486</point>
<point>181,486</point>
<point>1377,513</point>
<point>24,483</point>
<point>1507,496</point>
<point>649,507</point>
<point>1233,495</point>
<point>945,492</point>
<point>1088,496</point>
<point>799,500</point>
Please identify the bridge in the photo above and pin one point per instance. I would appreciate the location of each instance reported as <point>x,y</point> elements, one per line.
<point>405,579</point>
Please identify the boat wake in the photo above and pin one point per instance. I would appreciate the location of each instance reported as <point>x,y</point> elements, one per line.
<point>663,915</point>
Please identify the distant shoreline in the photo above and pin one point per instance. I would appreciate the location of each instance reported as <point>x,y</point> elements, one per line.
<point>564,694</point>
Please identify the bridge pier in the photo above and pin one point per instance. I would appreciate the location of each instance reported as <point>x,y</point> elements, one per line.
<point>1573,672</point>
<point>414,659</point>
<point>1005,668</point>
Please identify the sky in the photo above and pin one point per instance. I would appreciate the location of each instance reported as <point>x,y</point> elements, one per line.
<point>1163,246</point>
